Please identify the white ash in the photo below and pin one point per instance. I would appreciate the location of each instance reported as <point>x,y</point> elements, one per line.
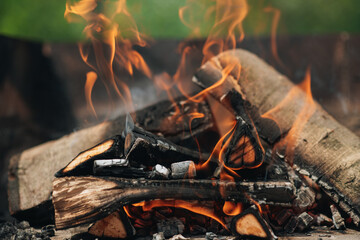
<point>111,163</point>
<point>159,172</point>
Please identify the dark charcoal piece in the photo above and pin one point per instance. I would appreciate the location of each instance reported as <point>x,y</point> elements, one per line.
<point>145,148</point>
<point>292,224</point>
<point>170,227</point>
<point>83,163</point>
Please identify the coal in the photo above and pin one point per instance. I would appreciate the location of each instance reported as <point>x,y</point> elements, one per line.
<point>170,227</point>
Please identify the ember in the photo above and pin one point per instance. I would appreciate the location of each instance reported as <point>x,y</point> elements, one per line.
<point>237,149</point>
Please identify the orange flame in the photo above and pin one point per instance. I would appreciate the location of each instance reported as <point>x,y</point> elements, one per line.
<point>232,208</point>
<point>195,207</point>
<point>274,26</point>
<point>111,48</point>
<point>228,17</point>
<point>90,81</point>
<point>296,93</point>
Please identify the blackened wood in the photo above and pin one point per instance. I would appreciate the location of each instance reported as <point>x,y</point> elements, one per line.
<point>324,148</point>
<point>145,148</point>
<point>173,119</point>
<point>83,163</point>
<point>79,200</point>
<point>243,150</point>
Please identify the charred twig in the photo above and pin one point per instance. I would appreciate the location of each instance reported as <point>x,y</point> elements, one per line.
<point>95,198</point>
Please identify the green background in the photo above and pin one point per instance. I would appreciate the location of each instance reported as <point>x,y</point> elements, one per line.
<point>43,20</point>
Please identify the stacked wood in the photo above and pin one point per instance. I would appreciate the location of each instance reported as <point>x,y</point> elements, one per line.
<point>31,172</point>
<point>324,148</point>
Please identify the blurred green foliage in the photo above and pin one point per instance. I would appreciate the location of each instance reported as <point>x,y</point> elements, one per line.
<point>43,20</point>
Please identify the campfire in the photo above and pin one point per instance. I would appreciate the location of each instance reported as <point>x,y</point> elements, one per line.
<point>236,150</point>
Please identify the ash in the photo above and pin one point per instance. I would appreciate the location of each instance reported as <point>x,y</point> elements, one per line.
<point>23,231</point>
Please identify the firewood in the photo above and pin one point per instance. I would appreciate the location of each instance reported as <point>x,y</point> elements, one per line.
<point>145,148</point>
<point>251,224</point>
<point>83,163</point>
<point>243,151</point>
<point>39,164</point>
<point>116,225</point>
<point>79,200</point>
<point>324,148</point>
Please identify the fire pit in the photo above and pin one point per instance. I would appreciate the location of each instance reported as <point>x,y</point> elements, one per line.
<point>237,150</point>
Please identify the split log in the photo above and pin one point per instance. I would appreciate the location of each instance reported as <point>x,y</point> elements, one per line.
<point>105,195</point>
<point>83,163</point>
<point>324,147</point>
<point>116,225</point>
<point>250,224</point>
<point>32,171</point>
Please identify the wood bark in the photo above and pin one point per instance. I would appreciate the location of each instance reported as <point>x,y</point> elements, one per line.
<point>324,147</point>
<point>80,200</point>
<point>31,172</point>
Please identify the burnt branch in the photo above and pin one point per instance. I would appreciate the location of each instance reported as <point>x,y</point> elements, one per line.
<point>79,200</point>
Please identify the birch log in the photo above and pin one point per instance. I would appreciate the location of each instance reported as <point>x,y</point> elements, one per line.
<point>324,147</point>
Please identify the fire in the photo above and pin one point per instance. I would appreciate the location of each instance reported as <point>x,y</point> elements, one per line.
<point>111,49</point>
<point>194,206</point>
<point>90,81</point>
<point>231,208</point>
<point>274,26</point>
<point>301,92</point>
<point>229,16</point>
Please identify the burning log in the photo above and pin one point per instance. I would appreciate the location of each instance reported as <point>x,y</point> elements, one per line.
<point>39,164</point>
<point>83,163</point>
<point>116,225</point>
<point>251,224</point>
<point>145,148</point>
<point>324,148</point>
<point>105,195</point>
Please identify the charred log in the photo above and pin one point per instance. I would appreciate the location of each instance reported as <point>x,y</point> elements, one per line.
<point>74,206</point>
<point>145,148</point>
